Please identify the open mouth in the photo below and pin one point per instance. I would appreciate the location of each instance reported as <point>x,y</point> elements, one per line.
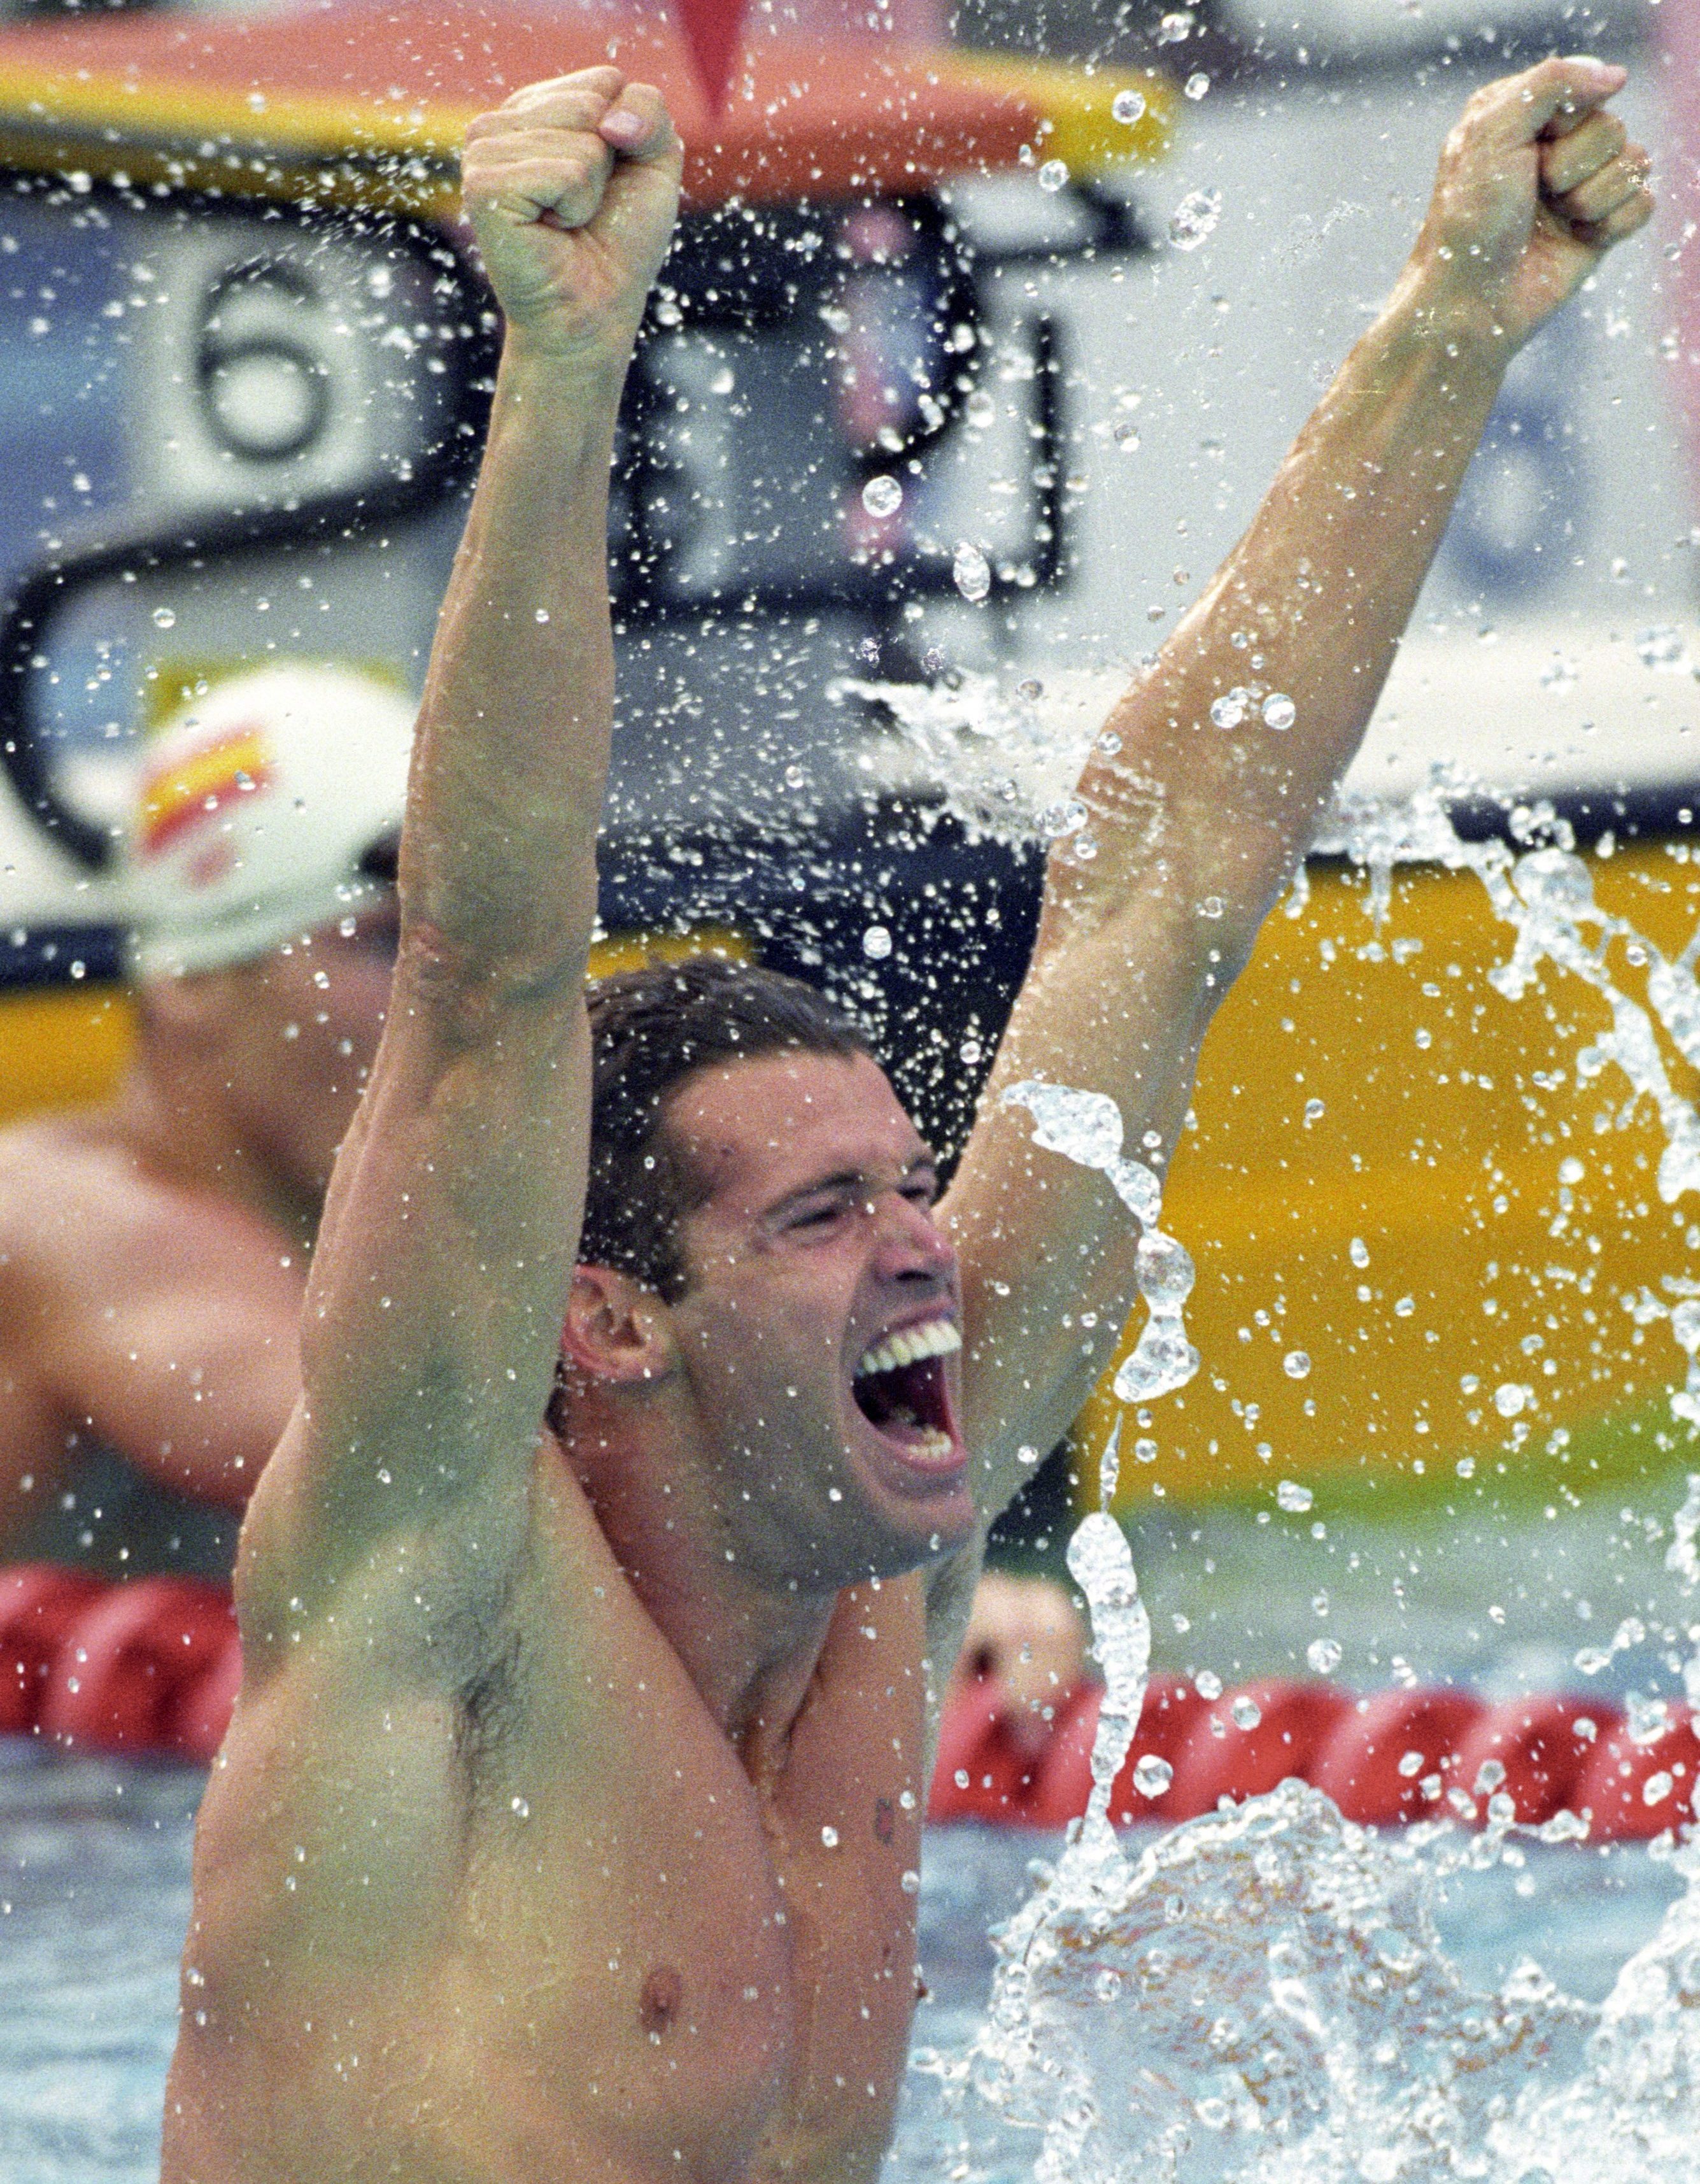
<point>900,1388</point>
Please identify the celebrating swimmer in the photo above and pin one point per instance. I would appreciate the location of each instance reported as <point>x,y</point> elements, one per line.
<point>654,1406</point>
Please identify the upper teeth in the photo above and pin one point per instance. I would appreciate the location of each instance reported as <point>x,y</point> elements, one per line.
<point>934,1338</point>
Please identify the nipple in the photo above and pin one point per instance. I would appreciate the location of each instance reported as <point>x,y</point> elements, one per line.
<point>658,2005</point>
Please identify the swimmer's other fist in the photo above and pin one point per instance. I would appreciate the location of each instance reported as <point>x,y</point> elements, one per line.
<point>572,187</point>
<point>1536,182</point>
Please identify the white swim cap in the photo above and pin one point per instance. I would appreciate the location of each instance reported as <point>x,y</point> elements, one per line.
<point>255,809</point>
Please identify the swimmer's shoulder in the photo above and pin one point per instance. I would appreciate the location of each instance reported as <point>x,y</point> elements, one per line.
<point>82,1181</point>
<point>57,1178</point>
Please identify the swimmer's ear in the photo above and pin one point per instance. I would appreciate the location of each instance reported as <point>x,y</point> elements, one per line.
<point>616,1330</point>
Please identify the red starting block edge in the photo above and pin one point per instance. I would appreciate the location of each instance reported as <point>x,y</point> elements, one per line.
<point>153,1666</point>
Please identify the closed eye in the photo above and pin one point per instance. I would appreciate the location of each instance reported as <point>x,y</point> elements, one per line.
<point>818,1213</point>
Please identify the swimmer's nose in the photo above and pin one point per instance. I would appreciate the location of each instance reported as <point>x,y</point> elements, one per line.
<point>912,1246</point>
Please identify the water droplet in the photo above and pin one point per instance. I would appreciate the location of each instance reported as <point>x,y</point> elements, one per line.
<point>1297,1365</point>
<point>1294,1498</point>
<point>972,573</point>
<point>1227,711</point>
<point>1313,1112</point>
<point>1246,1712</point>
<point>1195,219</point>
<point>1657,1788</point>
<point>1661,647</point>
<point>1323,1655</point>
<point>1127,437</point>
<point>829,1837</point>
<point>543,614</point>
<point>876,942</point>
<point>1558,674</point>
<point>1197,84</point>
<point>1065,815</point>
<point>911,1882</point>
<point>521,1809</point>
<point>979,408</point>
<point>1164,1268</point>
<point>1571,1171</point>
<point>1411,1764</point>
<point>882,496</point>
<point>1278,710</point>
<point>723,381</point>
<point>1152,1775</point>
<point>1053,175</point>
<point>1027,1454</point>
<point>1359,1252</point>
<point>1128,107</point>
<point>1175,27</point>
<point>164,618</point>
<point>1211,907</point>
<point>1207,1684</point>
<point>1508,1399</point>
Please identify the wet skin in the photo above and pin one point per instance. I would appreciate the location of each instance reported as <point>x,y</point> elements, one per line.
<point>607,1878</point>
<point>562,1828</point>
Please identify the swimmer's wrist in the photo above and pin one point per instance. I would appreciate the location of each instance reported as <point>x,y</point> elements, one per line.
<point>569,396</point>
<point>1433,308</point>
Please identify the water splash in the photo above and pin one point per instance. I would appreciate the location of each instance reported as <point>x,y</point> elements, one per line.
<point>1086,1127</point>
<point>1545,893</point>
<point>1005,758</point>
<point>1262,1995</point>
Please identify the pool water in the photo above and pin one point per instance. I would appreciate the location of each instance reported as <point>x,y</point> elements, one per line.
<point>94,1900</point>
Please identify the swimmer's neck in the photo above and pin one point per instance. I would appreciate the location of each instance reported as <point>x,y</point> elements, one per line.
<point>750,1642</point>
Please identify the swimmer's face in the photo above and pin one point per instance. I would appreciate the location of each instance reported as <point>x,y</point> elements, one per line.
<point>307,1022</point>
<point>819,1336</point>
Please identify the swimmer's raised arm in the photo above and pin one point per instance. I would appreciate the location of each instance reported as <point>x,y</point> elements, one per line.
<point>1535,182</point>
<point>434,1309</point>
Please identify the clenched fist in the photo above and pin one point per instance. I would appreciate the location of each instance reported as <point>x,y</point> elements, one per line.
<point>572,187</point>
<point>1536,182</point>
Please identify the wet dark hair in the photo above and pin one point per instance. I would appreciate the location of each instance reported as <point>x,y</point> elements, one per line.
<point>651,1030</point>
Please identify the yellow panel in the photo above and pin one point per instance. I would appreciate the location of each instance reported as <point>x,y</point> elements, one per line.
<point>630,952</point>
<point>62,1048</point>
<point>1445,1111</point>
<point>1079,124</point>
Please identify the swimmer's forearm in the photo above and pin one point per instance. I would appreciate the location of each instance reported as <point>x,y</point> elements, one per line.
<point>512,754</point>
<point>1308,608</point>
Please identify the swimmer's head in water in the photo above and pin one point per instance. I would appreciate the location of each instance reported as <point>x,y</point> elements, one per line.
<point>265,809</point>
<point>810,1343</point>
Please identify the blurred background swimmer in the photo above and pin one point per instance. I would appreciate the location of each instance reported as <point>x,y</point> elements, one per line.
<point>153,1249</point>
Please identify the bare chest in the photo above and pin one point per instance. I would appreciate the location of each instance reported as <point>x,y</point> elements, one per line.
<point>755,1978</point>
